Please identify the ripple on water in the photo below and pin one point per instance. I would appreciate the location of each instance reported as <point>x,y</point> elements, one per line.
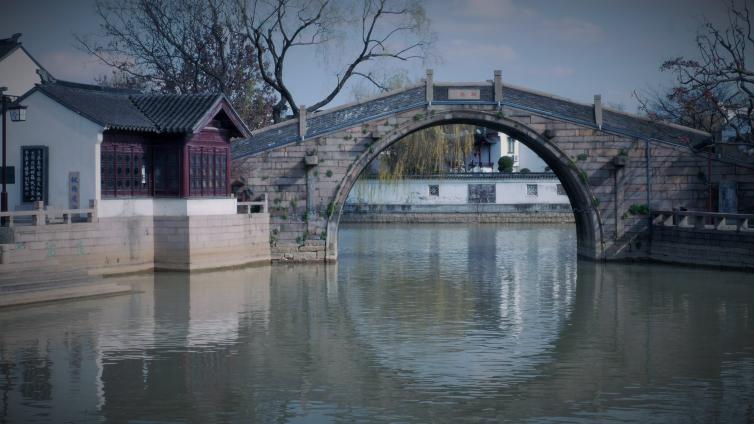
<point>416,323</point>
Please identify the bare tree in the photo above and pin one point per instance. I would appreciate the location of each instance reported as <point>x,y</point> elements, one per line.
<point>120,79</point>
<point>182,46</point>
<point>365,32</point>
<point>679,105</point>
<point>719,83</point>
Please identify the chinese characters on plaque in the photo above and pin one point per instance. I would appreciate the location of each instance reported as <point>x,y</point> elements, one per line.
<point>74,184</point>
<point>464,94</point>
<point>33,174</point>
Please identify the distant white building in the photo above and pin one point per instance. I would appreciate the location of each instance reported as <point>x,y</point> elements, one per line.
<point>523,157</point>
<point>529,192</point>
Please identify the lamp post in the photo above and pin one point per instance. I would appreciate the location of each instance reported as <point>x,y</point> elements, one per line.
<point>17,113</point>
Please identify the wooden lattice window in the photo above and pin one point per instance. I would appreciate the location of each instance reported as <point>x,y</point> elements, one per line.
<point>125,170</point>
<point>208,167</point>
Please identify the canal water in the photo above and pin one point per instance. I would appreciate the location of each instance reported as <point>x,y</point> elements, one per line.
<point>415,324</point>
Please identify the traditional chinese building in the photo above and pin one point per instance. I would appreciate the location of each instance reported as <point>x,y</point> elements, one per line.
<point>134,153</point>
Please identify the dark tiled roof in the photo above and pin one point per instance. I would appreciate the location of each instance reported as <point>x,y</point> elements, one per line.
<point>7,45</point>
<point>108,107</point>
<point>133,110</point>
<point>177,113</point>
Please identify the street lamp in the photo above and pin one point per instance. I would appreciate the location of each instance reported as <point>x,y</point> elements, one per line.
<point>17,114</point>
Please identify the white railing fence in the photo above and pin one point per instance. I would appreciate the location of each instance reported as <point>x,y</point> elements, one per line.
<point>40,216</point>
<point>253,207</point>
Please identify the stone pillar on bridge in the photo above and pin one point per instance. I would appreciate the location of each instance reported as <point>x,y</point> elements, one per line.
<point>498,87</point>
<point>302,122</point>
<point>430,91</point>
<point>598,110</point>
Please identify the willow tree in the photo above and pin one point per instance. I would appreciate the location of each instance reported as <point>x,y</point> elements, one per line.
<point>430,151</point>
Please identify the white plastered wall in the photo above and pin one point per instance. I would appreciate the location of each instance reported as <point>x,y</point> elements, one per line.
<point>451,192</point>
<point>72,143</point>
<point>18,72</point>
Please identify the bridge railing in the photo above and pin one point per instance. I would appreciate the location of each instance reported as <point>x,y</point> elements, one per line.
<point>704,220</point>
<point>252,207</point>
<point>41,216</point>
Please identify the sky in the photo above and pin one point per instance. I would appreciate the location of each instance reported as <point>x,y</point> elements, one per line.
<point>569,48</point>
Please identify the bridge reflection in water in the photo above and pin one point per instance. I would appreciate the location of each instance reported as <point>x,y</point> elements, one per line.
<point>414,324</point>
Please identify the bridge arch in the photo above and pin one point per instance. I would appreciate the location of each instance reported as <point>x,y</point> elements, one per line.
<point>590,235</point>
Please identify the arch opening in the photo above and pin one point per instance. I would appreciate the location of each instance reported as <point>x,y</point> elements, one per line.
<point>590,243</point>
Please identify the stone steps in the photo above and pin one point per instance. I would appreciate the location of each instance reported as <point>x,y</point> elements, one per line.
<point>24,297</point>
<point>30,285</point>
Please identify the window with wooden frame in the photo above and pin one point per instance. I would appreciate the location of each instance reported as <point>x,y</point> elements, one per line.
<point>208,171</point>
<point>125,170</point>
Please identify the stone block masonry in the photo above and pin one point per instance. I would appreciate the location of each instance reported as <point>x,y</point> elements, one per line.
<point>708,247</point>
<point>119,245</point>
<point>609,163</point>
<point>213,241</point>
<point>52,261</point>
<point>306,201</point>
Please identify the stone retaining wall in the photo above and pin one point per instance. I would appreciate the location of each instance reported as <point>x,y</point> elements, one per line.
<point>118,245</point>
<point>213,241</point>
<point>703,246</point>
<point>109,246</point>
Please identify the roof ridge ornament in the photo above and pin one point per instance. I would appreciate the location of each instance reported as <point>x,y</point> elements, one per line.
<point>45,76</point>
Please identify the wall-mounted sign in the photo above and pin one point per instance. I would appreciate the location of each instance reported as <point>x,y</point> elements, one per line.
<point>74,192</point>
<point>34,164</point>
<point>463,94</point>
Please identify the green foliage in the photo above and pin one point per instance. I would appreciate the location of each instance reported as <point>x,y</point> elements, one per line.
<point>582,157</point>
<point>583,177</point>
<point>429,151</point>
<point>638,209</point>
<point>328,173</point>
<point>323,235</point>
<point>525,170</point>
<point>505,164</point>
<point>330,209</point>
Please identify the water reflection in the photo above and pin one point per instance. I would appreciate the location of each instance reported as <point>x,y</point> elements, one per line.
<point>415,324</point>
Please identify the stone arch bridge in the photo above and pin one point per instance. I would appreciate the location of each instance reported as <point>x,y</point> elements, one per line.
<point>607,161</point>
